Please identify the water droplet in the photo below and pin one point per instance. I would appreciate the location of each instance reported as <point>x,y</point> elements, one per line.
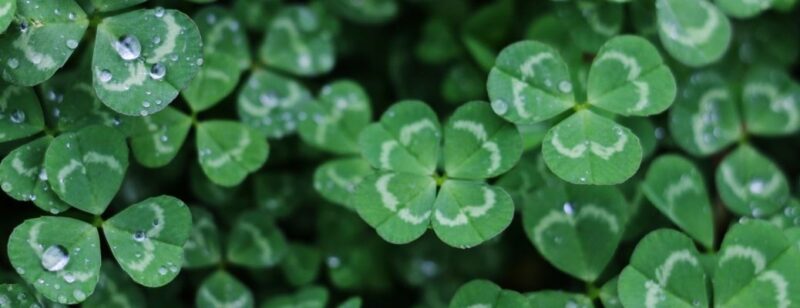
<point>62,299</point>
<point>200,61</point>
<point>43,175</point>
<point>211,18</point>
<point>163,138</point>
<point>69,277</point>
<point>79,295</point>
<point>23,26</point>
<point>696,303</point>
<point>71,16</point>
<point>565,86</point>
<point>162,270</point>
<point>333,262</point>
<point>156,222</point>
<point>143,113</point>
<point>756,212</point>
<point>500,107</point>
<point>13,63</point>
<point>20,271</point>
<point>159,11</point>
<point>72,44</point>
<point>128,47</point>
<point>756,186</point>
<point>104,76</point>
<point>17,116</point>
<point>157,71</point>
<point>55,258</point>
<point>568,208</point>
<point>139,236</point>
<point>269,99</point>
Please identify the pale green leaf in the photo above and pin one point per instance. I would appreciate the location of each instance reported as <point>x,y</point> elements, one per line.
<point>308,297</point>
<point>299,40</point>
<point>112,5</point>
<point>770,102</point>
<point>255,241</point>
<point>750,184</point>
<point>695,32</point>
<point>558,299</point>
<point>25,179</point>
<point>202,248</point>
<point>222,289</point>
<point>8,8</point>
<point>20,112</point>
<point>743,8</point>
<point>16,295</point>
<point>484,293</point>
<point>334,122</point>
<point>337,180</point>
<point>301,265</point>
<point>228,151</point>
<point>590,23</point>
<point>272,103</point>
<point>159,137</point>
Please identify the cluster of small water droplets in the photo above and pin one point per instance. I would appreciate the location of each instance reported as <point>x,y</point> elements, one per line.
<point>55,258</point>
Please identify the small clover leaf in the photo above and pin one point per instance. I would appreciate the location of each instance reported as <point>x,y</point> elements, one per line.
<point>85,168</point>
<point>299,40</point>
<point>335,121</point>
<point>149,55</point>
<point>771,102</point>
<point>41,39</point>
<point>255,242</point>
<point>20,113</point>
<point>17,295</point>
<point>484,293</point>
<point>308,297</point>
<point>576,228</point>
<point>337,180</point>
<point>222,289</point>
<point>228,151</point>
<point>676,187</point>
<point>665,270</point>
<point>59,257</point>
<point>695,32</point>
<point>25,179</point>
<point>147,239</point>
<point>202,248</point>
<point>609,294</point>
<point>159,137</point>
<point>750,184</point>
<point>272,103</point>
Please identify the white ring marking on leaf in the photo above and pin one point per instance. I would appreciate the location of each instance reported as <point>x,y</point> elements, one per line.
<point>573,152</point>
<point>259,240</point>
<point>137,75</point>
<point>147,242</point>
<point>707,110</point>
<point>390,202</point>
<point>93,157</point>
<point>173,30</point>
<point>19,167</point>
<point>693,36</point>
<point>527,67</point>
<point>479,131</point>
<point>745,252</point>
<point>634,71</point>
<point>473,211</point>
<point>67,170</point>
<point>38,59</point>
<point>234,153</point>
<point>781,287</point>
<point>586,211</point>
<point>408,131</point>
<point>663,272</point>
<point>779,104</point>
<point>386,151</point>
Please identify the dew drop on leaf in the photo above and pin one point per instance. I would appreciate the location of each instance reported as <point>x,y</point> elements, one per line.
<point>565,86</point>
<point>72,44</point>
<point>568,208</point>
<point>139,236</point>
<point>162,271</point>
<point>159,11</point>
<point>128,47</point>
<point>500,107</point>
<point>69,278</point>
<point>157,71</point>
<point>17,116</point>
<point>55,258</point>
<point>23,26</point>
<point>756,186</point>
<point>104,76</point>
<point>13,63</point>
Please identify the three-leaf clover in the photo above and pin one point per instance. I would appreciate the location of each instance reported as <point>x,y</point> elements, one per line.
<point>401,200</point>
<point>530,83</point>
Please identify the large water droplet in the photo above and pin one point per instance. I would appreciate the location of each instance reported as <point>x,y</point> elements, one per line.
<point>500,107</point>
<point>72,44</point>
<point>756,186</point>
<point>17,116</point>
<point>159,11</point>
<point>55,258</point>
<point>128,47</point>
<point>104,76</point>
<point>157,71</point>
<point>568,208</point>
<point>139,236</point>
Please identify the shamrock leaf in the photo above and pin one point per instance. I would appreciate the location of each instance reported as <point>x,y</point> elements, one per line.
<point>337,180</point>
<point>588,148</point>
<point>558,299</point>
<point>112,5</point>
<point>484,293</point>
<point>43,37</point>
<point>743,8</point>
<point>301,265</point>
<point>576,228</point>
<point>299,41</point>
<point>255,242</point>
<point>20,112</point>
<point>16,295</point>
<point>675,186</point>
<point>308,297</point>
<point>147,239</point>
<point>364,11</point>
<point>25,178</point>
<point>202,248</point>
<point>333,124</point>
<point>705,119</point>
<point>159,137</point>
<point>7,10</point>
<point>665,270</point>
<point>406,139</point>
<point>226,54</point>
<point>590,23</point>
<point>143,58</point>
<point>467,213</point>
<point>628,77</point>
<point>788,217</point>
<point>59,257</point>
<point>229,151</point>
<point>529,83</point>
<point>221,289</point>
<point>609,294</point>
<point>770,102</point>
<point>757,265</point>
<point>694,32</point>
<point>272,103</point>
<point>114,288</point>
<point>85,168</point>
<point>751,184</point>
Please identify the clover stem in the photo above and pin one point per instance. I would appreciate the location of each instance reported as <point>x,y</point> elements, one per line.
<point>580,106</point>
<point>440,179</point>
<point>592,291</point>
<point>97,221</point>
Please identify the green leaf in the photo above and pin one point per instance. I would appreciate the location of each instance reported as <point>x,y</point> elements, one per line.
<point>665,271</point>
<point>364,11</point>
<point>463,82</point>
<point>352,302</point>
<point>17,295</point>
<point>223,290</point>
<point>588,148</point>
<point>694,32</point>
<point>337,180</point>
<point>334,122</point>
<point>629,77</point>
<point>226,54</point>
<point>609,295</point>
<point>770,102</point>
<point>484,30</point>
<point>147,239</point>
<point>438,42</point>
<point>20,112</point>
<point>528,176</point>
<point>750,184</point>
<point>743,8</point>
<point>202,248</point>
<point>676,187</point>
<point>143,58</point>
<point>85,168</point>
<point>255,242</point>
<point>649,135</point>
<point>757,266</point>
<point>308,297</point>
<point>590,23</point>
<point>484,293</point>
<point>479,144</point>
<point>576,228</point>
<point>407,139</point>
<point>788,217</point>
<point>59,257</point>
<point>558,299</point>
<point>113,5</point>
<point>302,264</point>
<point>397,205</point>
<point>8,8</point>
<point>40,40</point>
<point>159,137</point>
<point>704,119</point>
<point>229,151</point>
<point>272,103</point>
<point>468,213</point>
<point>25,179</point>
<point>529,83</point>
<point>115,288</point>
<point>299,41</point>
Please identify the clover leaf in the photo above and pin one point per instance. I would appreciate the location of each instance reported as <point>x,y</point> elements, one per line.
<point>20,113</point>
<point>337,180</point>
<point>222,289</point>
<point>771,102</point>
<point>558,299</point>
<point>591,22</point>
<point>272,103</point>
<point>202,248</point>
<point>25,178</point>
<point>16,295</point>
<point>311,297</point>
<point>114,288</point>
<point>159,137</point>
<point>694,32</point>
<point>365,12</point>
<point>228,151</point>
<point>7,10</point>
<point>484,293</point>
<point>334,122</point>
<point>743,8</point>
<point>750,184</point>
<point>302,264</point>
<point>112,5</point>
<point>299,40</point>
<point>255,242</point>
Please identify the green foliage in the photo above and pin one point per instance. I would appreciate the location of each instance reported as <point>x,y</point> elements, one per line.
<point>375,153</point>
